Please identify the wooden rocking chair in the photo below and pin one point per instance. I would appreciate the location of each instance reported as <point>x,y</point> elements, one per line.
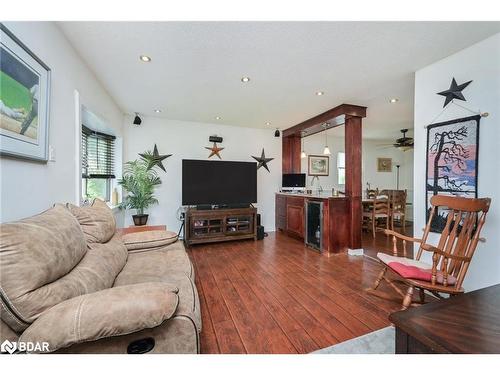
<point>450,259</point>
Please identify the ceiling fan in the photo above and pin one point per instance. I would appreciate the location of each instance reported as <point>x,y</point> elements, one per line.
<point>404,143</point>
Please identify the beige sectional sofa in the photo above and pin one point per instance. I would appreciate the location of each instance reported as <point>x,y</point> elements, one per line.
<point>68,279</point>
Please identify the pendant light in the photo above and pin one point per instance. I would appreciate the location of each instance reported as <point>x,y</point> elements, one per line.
<point>303,153</point>
<point>326,151</point>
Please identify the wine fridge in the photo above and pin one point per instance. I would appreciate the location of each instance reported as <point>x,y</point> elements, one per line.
<point>314,224</point>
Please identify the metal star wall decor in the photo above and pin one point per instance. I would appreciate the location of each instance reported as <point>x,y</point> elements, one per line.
<point>262,160</point>
<point>454,92</point>
<point>154,158</point>
<point>214,150</point>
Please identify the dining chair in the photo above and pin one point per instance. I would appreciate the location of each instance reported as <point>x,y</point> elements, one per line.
<point>463,219</point>
<point>379,209</point>
<point>371,193</point>
<point>398,208</point>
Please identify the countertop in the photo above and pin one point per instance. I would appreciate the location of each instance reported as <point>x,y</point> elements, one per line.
<point>324,195</point>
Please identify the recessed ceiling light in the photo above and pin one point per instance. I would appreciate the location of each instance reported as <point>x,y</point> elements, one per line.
<point>319,93</point>
<point>268,123</point>
<point>394,100</point>
<point>245,79</point>
<point>158,110</point>
<point>145,58</point>
<point>218,117</point>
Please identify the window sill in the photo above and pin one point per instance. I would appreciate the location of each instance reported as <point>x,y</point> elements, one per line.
<point>114,208</point>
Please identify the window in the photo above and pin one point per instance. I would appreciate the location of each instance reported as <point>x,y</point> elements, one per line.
<point>97,164</point>
<point>341,168</point>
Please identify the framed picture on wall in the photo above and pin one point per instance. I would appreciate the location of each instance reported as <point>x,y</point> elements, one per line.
<point>452,160</point>
<point>24,100</point>
<point>384,165</point>
<point>318,165</point>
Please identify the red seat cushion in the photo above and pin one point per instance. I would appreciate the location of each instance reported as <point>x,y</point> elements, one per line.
<point>417,273</point>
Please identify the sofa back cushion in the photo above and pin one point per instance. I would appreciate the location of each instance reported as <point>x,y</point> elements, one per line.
<point>97,221</point>
<point>35,253</point>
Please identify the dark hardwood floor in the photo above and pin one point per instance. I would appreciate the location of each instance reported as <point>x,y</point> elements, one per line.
<point>278,296</point>
<point>383,243</point>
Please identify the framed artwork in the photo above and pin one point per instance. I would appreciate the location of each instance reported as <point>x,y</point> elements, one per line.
<point>452,157</point>
<point>384,165</point>
<point>319,165</point>
<point>24,100</point>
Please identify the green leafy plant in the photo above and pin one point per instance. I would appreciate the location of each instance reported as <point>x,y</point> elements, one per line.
<point>139,180</point>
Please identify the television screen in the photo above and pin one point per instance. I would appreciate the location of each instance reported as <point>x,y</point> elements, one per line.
<point>294,180</point>
<point>218,182</point>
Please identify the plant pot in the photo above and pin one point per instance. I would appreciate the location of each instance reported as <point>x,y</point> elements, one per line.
<point>140,219</point>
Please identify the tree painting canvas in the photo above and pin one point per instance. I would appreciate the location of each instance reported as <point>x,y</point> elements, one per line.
<point>24,99</point>
<point>452,156</point>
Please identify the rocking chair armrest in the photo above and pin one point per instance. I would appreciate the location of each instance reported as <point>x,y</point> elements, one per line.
<point>401,236</point>
<point>438,251</point>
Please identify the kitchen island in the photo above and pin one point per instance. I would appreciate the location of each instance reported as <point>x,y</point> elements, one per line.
<point>291,219</point>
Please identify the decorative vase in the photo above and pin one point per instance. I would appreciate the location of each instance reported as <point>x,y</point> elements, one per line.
<point>141,219</point>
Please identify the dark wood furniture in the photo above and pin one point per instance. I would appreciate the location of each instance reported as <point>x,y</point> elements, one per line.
<point>142,228</point>
<point>204,226</point>
<point>379,209</point>
<point>351,117</point>
<point>464,324</point>
<point>290,218</point>
<point>453,254</point>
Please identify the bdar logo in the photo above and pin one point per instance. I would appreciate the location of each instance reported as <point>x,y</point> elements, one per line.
<point>8,347</point>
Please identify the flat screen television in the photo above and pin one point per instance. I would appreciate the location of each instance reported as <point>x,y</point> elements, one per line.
<point>294,180</point>
<point>218,182</point>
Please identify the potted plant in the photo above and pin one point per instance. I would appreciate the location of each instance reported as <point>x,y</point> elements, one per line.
<point>139,180</point>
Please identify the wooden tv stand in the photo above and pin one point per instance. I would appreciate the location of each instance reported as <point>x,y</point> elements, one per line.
<point>205,226</point>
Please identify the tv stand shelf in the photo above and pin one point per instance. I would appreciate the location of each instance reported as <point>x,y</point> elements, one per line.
<point>228,224</point>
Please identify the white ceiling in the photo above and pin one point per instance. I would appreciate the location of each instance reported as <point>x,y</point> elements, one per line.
<point>196,67</point>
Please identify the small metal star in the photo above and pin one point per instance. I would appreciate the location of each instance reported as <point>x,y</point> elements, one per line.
<point>154,158</point>
<point>214,150</point>
<point>454,92</point>
<point>263,161</point>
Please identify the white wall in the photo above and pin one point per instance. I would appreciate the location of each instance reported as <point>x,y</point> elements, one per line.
<point>187,140</point>
<point>480,63</point>
<point>371,150</point>
<point>28,188</point>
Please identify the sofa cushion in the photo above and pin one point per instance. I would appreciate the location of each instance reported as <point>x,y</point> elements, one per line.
<point>171,259</point>
<point>155,239</point>
<point>108,313</point>
<point>169,265</point>
<point>97,221</point>
<point>34,253</point>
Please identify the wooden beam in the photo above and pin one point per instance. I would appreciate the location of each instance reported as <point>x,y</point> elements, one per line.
<point>349,110</point>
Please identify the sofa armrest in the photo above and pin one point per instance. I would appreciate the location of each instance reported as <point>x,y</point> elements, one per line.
<point>148,240</point>
<point>110,312</point>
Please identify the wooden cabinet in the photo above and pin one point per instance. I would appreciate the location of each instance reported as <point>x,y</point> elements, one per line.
<point>203,226</point>
<point>280,212</point>
<point>291,219</point>
<point>290,215</point>
<point>295,216</point>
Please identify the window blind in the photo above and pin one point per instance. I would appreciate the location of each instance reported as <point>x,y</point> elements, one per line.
<point>97,154</point>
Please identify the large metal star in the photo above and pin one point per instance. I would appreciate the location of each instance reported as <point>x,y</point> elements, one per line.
<point>454,92</point>
<point>154,158</point>
<point>263,161</point>
<point>215,150</point>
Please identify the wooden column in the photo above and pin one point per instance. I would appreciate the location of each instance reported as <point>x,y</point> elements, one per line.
<point>353,188</point>
<point>291,154</point>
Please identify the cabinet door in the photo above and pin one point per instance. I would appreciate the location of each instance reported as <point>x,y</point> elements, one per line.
<point>280,212</point>
<point>295,218</point>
